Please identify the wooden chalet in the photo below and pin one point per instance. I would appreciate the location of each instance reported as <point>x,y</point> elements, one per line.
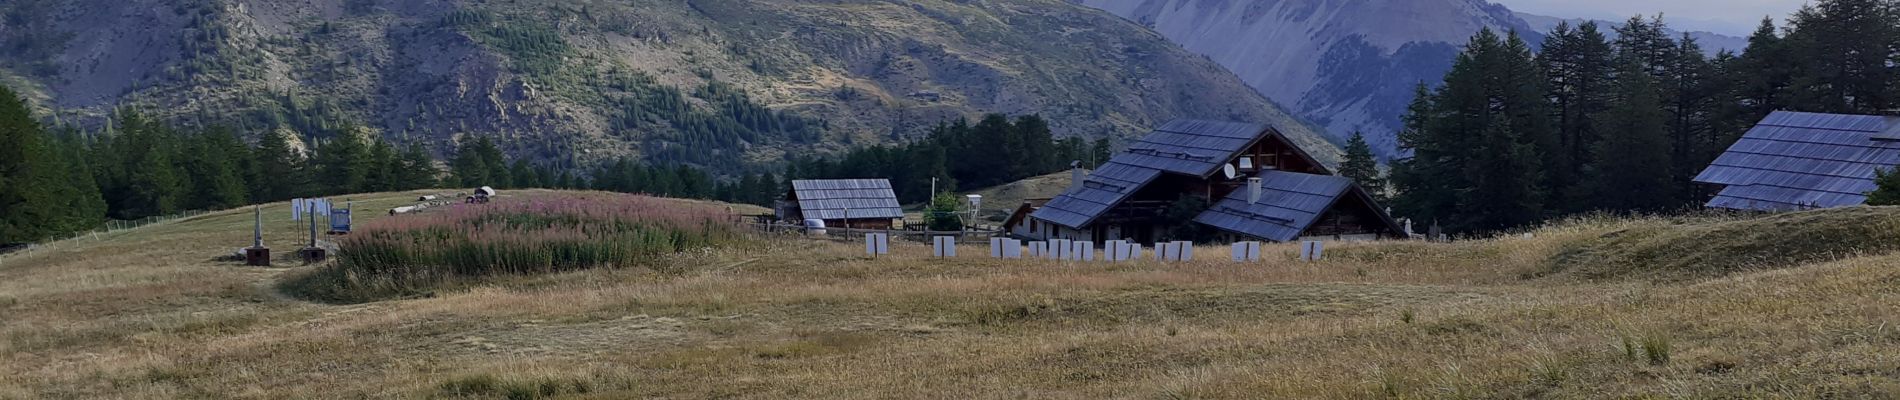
<point>842,203</point>
<point>1294,197</point>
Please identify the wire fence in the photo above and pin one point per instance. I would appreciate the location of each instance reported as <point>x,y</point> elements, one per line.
<point>109,228</point>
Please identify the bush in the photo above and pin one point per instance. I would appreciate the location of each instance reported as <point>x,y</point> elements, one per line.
<point>413,254</point>
<point>942,215</point>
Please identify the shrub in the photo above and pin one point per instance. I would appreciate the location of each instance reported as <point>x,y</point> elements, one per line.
<point>412,254</point>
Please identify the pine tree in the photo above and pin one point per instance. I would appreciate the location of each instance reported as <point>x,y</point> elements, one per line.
<point>344,163</point>
<point>212,167</point>
<point>277,170</point>
<point>1765,71</point>
<point>1425,181</point>
<point>1689,109</point>
<point>1845,54</point>
<point>417,169</point>
<point>153,185</point>
<point>495,163</point>
<point>1362,167</point>
<point>1577,66</point>
<point>524,175</point>
<point>1886,188</point>
<point>1629,170</point>
<point>1477,142</point>
<point>469,167</point>
<point>82,199</point>
<point>28,198</point>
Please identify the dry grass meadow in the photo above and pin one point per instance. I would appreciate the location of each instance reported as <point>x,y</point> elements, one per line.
<point>1793,306</point>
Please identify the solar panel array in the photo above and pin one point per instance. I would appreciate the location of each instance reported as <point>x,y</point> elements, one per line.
<point>1793,161</point>
<point>1289,203</point>
<point>1186,147</point>
<point>832,198</point>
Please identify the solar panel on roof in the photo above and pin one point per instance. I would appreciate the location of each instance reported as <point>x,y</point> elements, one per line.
<point>1187,147</point>
<point>1289,204</point>
<point>1795,160</point>
<point>847,198</point>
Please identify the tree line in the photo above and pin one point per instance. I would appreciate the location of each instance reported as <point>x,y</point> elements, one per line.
<point>57,180</point>
<point>994,151</point>
<point>1588,124</point>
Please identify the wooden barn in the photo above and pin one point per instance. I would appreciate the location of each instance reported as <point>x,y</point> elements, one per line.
<point>1293,196</point>
<point>841,203</point>
<point>1798,161</point>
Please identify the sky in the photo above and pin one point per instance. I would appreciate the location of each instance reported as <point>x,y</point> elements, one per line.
<point>1730,17</point>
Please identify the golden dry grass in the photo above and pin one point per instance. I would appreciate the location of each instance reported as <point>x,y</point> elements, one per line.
<point>150,314</point>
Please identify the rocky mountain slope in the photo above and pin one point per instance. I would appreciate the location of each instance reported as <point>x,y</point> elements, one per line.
<point>697,81</point>
<point>1348,65</point>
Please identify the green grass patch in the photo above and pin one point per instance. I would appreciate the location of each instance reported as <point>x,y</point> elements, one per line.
<point>1667,251</point>
<point>419,254</point>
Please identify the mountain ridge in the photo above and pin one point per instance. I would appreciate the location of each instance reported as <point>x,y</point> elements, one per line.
<point>1347,65</point>
<point>702,82</point>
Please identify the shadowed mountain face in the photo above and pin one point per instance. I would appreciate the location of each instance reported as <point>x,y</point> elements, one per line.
<point>696,81</point>
<point>1348,65</point>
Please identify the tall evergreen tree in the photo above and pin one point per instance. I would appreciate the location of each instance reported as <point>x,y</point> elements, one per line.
<point>417,169</point>
<point>1577,65</point>
<point>1845,56</point>
<point>29,201</point>
<point>1688,91</point>
<point>212,165</point>
<point>277,169</point>
<point>1481,140</point>
<point>344,163</point>
<point>470,166</point>
<point>1630,167</point>
<point>1362,167</point>
<point>152,185</point>
<point>1765,71</point>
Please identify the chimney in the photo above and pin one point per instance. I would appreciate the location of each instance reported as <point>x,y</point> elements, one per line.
<point>1076,175</point>
<point>1253,191</point>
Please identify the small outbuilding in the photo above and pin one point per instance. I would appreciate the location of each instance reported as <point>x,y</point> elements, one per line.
<point>842,203</point>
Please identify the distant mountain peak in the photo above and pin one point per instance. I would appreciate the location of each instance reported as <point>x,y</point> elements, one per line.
<point>1348,65</point>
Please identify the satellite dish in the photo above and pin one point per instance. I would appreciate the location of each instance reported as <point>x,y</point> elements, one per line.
<point>1229,170</point>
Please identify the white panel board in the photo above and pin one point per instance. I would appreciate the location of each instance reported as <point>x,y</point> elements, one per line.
<point>1312,250</point>
<point>1246,251</point>
<point>877,243</point>
<point>943,246</point>
<point>1087,249</point>
<point>1012,249</point>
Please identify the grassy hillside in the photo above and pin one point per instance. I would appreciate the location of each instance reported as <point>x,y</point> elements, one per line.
<point>150,314</point>
<point>694,81</point>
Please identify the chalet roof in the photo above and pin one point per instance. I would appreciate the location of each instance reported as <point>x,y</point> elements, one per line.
<point>829,199</point>
<point>1289,204</point>
<point>1184,146</point>
<point>1794,160</point>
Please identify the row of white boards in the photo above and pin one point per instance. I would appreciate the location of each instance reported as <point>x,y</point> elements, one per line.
<point>877,244</point>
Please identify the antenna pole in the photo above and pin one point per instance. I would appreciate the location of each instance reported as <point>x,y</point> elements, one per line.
<point>257,228</point>
<point>312,210</point>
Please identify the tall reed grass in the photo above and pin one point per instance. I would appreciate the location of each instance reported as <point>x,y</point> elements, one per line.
<point>416,253</point>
